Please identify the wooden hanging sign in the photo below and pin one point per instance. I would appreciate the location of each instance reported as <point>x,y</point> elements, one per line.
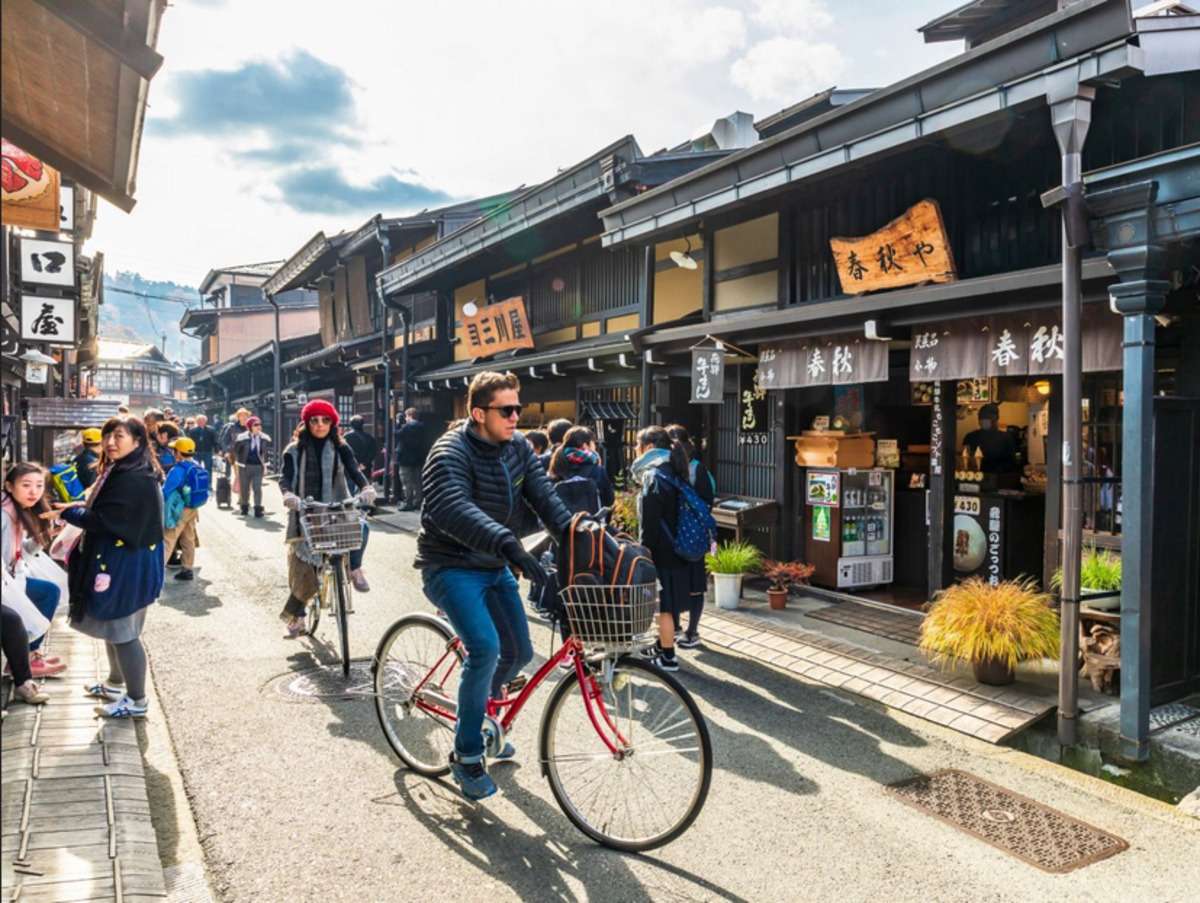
<point>911,249</point>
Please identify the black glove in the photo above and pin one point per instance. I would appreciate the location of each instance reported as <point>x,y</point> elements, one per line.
<point>516,555</point>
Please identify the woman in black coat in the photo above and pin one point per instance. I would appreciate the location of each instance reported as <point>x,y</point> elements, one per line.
<point>117,569</point>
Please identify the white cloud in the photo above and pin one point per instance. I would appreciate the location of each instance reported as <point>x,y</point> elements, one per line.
<point>784,70</point>
<point>704,36</point>
<point>792,16</point>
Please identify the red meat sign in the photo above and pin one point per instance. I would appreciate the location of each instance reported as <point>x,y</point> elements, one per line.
<point>30,190</point>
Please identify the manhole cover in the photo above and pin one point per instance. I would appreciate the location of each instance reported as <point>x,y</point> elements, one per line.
<point>324,682</point>
<point>1041,836</point>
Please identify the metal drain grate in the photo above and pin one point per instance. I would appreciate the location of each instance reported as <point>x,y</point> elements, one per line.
<point>324,682</point>
<point>1171,714</point>
<point>1041,836</point>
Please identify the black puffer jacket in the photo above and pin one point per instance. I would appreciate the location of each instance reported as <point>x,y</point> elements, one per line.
<point>473,492</point>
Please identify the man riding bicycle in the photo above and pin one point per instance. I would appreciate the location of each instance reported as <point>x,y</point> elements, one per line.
<point>476,482</point>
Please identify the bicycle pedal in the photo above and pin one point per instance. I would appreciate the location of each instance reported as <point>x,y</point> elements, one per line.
<point>516,685</point>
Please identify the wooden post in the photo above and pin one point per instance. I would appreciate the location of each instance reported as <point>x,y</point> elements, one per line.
<point>1053,500</point>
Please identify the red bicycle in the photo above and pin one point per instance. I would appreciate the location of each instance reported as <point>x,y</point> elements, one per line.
<point>623,744</point>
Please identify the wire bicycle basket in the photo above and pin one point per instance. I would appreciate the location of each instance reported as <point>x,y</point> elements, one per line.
<point>612,618</point>
<point>333,531</point>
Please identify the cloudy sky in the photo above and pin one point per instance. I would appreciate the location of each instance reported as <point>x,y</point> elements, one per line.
<point>273,119</point>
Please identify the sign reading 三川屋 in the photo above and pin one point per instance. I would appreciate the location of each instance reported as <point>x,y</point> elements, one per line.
<point>708,376</point>
<point>498,327</point>
<point>911,249</point>
<point>48,262</point>
<point>49,320</point>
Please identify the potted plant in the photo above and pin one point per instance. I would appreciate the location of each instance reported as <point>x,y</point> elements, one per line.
<point>624,515</point>
<point>992,627</point>
<point>783,576</point>
<point>1099,572</point>
<point>728,564</point>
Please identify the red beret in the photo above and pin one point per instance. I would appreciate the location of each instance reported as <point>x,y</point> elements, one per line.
<point>319,408</point>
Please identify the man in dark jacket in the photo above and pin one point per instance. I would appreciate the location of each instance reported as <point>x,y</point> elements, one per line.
<point>363,444</point>
<point>410,456</point>
<point>476,480</point>
<point>205,438</point>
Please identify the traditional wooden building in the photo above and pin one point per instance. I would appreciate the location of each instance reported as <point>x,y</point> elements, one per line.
<point>539,253</point>
<point>820,303</point>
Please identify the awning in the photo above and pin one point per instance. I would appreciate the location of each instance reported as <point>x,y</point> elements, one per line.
<point>370,343</point>
<point>595,355</point>
<point>609,410</point>
<point>71,413</point>
<point>75,80</point>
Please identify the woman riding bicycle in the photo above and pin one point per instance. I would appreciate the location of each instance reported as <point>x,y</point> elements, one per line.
<point>318,464</point>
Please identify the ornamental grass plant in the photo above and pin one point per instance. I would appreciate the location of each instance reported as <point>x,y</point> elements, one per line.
<point>974,621</point>
<point>1099,569</point>
<point>734,558</point>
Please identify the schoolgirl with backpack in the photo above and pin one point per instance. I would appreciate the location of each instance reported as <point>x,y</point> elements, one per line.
<point>676,525</point>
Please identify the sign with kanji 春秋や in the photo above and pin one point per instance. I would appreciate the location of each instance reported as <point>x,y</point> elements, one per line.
<point>911,249</point>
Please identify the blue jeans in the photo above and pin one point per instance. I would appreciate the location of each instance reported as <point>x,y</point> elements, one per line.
<point>484,606</point>
<point>356,556</point>
<point>44,596</point>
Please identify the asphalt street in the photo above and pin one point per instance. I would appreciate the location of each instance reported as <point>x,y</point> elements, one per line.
<point>303,800</point>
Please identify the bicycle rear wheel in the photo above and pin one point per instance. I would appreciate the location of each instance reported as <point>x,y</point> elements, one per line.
<point>408,653</point>
<point>343,621</point>
<point>650,794</point>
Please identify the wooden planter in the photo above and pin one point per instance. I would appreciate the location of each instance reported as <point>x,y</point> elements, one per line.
<point>993,672</point>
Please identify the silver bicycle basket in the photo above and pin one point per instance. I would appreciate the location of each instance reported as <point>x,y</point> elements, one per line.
<point>333,530</point>
<point>612,618</point>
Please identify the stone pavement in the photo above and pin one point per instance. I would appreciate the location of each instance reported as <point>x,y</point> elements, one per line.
<point>76,814</point>
<point>988,713</point>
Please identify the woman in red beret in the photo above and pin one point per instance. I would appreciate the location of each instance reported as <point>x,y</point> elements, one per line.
<point>318,464</point>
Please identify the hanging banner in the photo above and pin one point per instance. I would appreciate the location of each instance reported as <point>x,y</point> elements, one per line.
<point>1027,344</point>
<point>498,327</point>
<point>825,361</point>
<point>49,320</point>
<point>28,190</point>
<point>752,406</point>
<point>66,208</point>
<point>911,249</point>
<point>708,376</point>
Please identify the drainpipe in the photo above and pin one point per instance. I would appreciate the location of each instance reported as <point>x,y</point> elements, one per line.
<point>1071,114</point>
<point>385,249</point>
<point>276,364</point>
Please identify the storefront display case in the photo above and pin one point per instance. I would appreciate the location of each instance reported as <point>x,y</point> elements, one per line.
<point>849,519</point>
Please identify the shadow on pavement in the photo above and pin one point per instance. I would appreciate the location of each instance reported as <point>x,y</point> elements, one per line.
<point>849,738</point>
<point>264,524</point>
<point>535,867</point>
<point>189,596</point>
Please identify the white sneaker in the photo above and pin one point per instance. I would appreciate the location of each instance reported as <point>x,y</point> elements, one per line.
<point>359,579</point>
<point>122,708</point>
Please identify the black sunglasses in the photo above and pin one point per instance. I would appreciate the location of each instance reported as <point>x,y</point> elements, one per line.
<point>506,410</point>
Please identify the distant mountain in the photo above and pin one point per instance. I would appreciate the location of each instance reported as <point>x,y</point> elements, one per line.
<point>145,319</point>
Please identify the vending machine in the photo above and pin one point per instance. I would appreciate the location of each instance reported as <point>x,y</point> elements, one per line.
<point>850,515</point>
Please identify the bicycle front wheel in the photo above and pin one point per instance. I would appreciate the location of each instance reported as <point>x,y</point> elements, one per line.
<point>312,611</point>
<point>343,620</point>
<point>416,655</point>
<point>649,792</point>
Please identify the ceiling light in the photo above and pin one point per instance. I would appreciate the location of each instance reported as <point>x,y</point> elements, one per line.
<point>685,259</point>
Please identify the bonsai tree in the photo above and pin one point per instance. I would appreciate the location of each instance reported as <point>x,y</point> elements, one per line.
<point>991,627</point>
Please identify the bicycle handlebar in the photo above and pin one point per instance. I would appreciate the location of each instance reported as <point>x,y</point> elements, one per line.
<point>352,502</point>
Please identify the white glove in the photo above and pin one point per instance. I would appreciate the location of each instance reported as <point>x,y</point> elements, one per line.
<point>367,495</point>
<point>291,501</point>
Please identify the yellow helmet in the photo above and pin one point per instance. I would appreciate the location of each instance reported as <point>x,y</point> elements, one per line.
<point>91,436</point>
<point>184,445</point>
